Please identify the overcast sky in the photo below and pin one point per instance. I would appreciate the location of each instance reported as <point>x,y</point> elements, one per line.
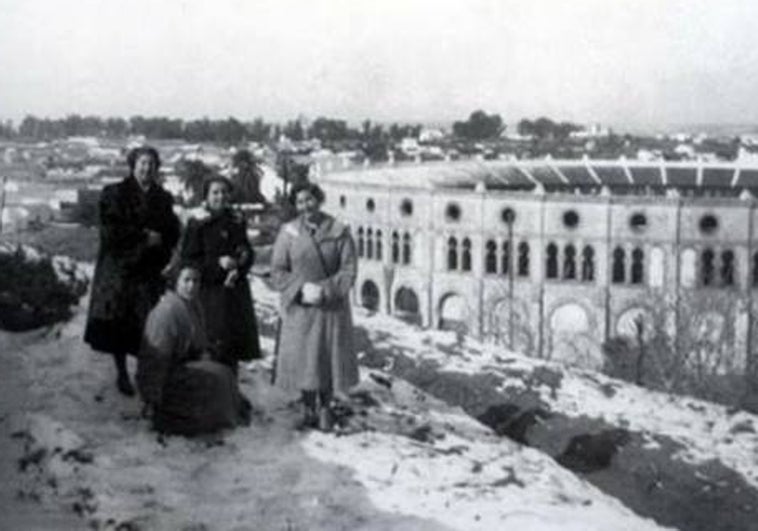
<point>622,62</point>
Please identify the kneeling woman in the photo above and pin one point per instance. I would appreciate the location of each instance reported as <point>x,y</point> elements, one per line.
<point>186,392</point>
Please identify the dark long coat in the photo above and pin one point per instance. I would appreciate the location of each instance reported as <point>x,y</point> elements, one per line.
<point>127,282</point>
<point>315,350</point>
<point>230,318</point>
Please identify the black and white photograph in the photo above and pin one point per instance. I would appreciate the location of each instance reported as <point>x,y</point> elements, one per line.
<point>360,265</point>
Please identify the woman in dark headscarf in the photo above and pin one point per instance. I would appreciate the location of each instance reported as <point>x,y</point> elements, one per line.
<point>219,244</point>
<point>138,231</point>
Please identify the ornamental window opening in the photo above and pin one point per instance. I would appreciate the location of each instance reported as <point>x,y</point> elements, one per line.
<point>727,268</point>
<point>466,255</point>
<point>569,262</point>
<point>406,207</point>
<point>360,242</point>
<point>453,212</point>
<point>379,245</point>
<point>369,244</point>
<point>406,248</point>
<point>452,254</point>
<point>505,258</point>
<point>588,264</point>
<point>707,269</point>
<point>551,269</point>
<point>618,269</point>
<point>395,247</point>
<point>638,266</point>
<point>490,257</point>
<point>523,259</point>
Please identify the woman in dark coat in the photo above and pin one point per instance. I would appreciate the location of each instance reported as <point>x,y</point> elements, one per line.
<point>184,391</point>
<point>138,231</point>
<point>219,244</point>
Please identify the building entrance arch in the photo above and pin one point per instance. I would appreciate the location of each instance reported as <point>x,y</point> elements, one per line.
<point>370,295</point>
<point>406,305</point>
<point>571,338</point>
<point>453,313</point>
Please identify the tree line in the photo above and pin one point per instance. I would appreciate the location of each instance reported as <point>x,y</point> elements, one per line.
<point>477,127</point>
<point>226,131</point>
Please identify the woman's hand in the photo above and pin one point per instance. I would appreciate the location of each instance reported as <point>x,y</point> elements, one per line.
<point>227,263</point>
<point>312,294</point>
<point>154,238</point>
<point>231,278</point>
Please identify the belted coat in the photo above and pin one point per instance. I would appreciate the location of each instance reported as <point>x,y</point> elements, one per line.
<point>315,349</point>
<point>230,317</point>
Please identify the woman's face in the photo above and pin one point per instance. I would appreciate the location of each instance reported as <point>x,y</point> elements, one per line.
<point>306,203</point>
<point>188,283</point>
<point>218,196</point>
<point>144,169</point>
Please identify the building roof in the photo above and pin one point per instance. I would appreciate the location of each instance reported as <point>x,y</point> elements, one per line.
<point>618,175</point>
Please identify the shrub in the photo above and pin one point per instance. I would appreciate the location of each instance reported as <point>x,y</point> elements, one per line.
<point>32,293</point>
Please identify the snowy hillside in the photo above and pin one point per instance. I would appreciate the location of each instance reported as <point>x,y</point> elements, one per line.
<point>402,459</point>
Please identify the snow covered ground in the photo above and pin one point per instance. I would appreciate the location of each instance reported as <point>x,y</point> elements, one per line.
<point>705,431</point>
<point>403,460</point>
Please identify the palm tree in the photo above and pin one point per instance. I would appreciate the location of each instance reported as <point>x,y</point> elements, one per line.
<point>246,177</point>
<point>193,174</point>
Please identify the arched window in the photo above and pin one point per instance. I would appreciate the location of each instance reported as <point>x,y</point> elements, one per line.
<point>727,268</point>
<point>638,266</point>
<point>618,270</point>
<point>490,257</point>
<point>379,245</point>
<point>360,242</point>
<point>505,258</point>
<point>395,247</point>
<point>370,243</point>
<point>706,267</point>
<point>569,262</point>
<point>523,259</point>
<point>755,270</point>
<point>452,254</point>
<point>466,255</point>
<point>406,248</point>
<point>588,264</point>
<point>552,261</point>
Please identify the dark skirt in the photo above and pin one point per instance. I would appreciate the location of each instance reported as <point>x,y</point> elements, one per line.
<point>200,397</point>
<point>230,323</point>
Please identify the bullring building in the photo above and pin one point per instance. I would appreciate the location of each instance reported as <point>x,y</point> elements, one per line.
<point>554,258</point>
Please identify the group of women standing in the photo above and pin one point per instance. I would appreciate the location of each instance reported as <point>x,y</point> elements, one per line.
<point>190,339</point>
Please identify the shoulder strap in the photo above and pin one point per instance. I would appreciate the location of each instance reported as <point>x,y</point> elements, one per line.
<point>320,254</point>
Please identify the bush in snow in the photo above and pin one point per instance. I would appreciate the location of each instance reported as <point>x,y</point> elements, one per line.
<point>36,290</point>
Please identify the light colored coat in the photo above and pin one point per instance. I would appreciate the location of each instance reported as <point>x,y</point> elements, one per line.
<point>315,349</point>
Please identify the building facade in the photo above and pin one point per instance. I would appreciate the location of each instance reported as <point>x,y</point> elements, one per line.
<point>554,259</point>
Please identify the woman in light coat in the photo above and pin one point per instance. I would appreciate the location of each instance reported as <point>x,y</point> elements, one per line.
<point>314,268</point>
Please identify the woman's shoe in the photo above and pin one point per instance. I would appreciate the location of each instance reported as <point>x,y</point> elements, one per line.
<point>308,422</point>
<point>125,386</point>
<point>325,419</point>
